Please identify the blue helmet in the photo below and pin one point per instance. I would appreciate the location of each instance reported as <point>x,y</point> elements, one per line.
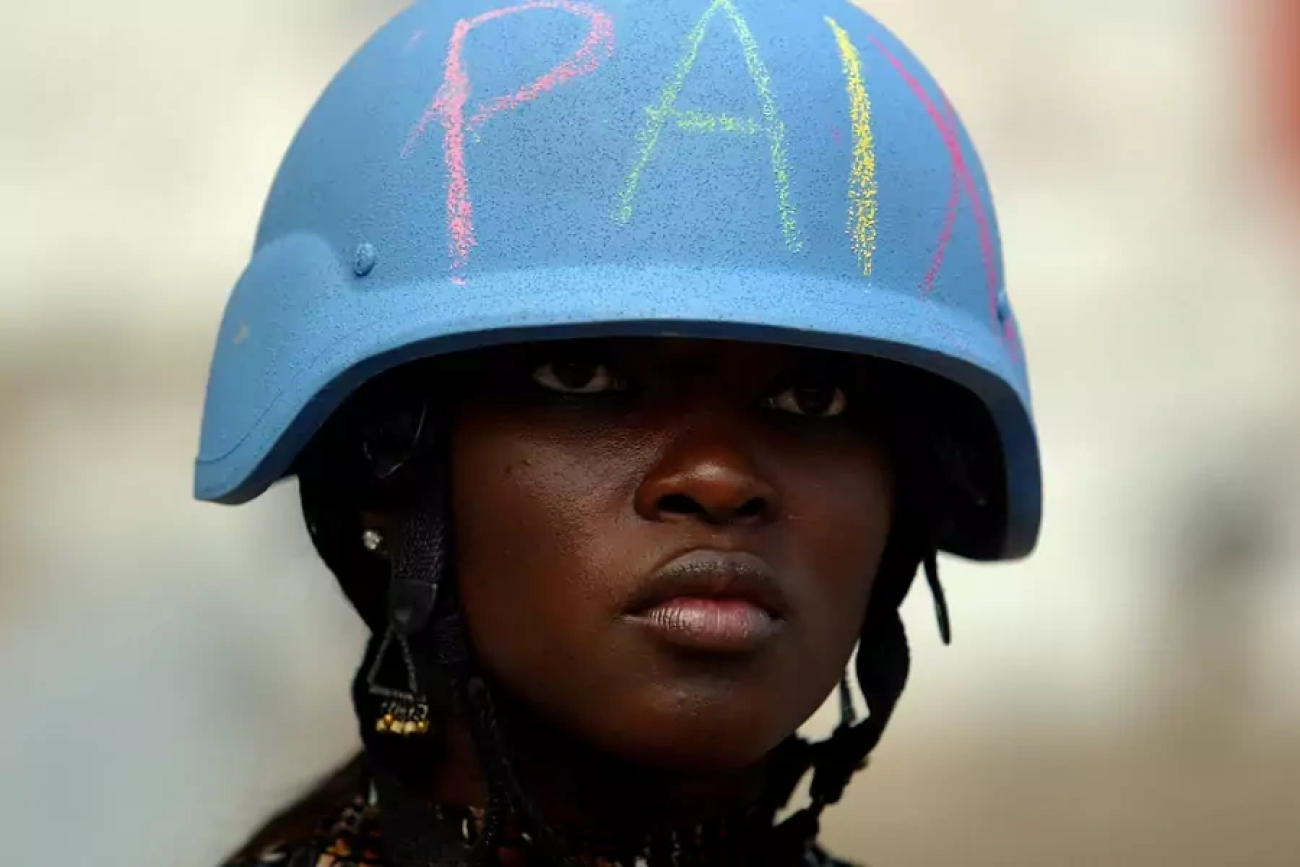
<point>496,171</point>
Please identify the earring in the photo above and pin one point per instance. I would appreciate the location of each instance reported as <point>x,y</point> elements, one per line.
<point>403,712</point>
<point>372,539</point>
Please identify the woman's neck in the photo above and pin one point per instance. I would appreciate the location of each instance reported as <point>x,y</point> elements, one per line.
<point>574,785</point>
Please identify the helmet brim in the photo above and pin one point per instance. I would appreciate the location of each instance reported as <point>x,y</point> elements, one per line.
<point>251,440</point>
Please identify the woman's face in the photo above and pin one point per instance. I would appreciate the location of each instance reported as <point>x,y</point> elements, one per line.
<point>666,547</point>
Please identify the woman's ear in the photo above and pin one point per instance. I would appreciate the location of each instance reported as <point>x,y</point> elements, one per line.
<point>351,537</point>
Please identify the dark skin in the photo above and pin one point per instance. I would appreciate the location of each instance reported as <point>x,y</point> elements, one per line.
<point>579,471</point>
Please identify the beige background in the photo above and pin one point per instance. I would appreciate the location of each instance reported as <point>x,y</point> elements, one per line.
<point>1131,696</point>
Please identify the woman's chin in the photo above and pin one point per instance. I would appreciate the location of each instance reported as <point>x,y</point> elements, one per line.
<point>692,742</point>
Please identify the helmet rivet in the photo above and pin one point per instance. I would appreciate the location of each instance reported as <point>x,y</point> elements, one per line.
<point>363,262</point>
<point>1004,305</point>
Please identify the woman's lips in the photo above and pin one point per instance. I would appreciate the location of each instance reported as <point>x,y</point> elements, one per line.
<point>714,601</point>
<point>719,625</point>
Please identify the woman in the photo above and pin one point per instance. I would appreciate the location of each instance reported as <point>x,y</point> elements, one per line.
<point>632,358</point>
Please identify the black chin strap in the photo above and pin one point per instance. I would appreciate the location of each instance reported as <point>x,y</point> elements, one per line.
<point>882,668</point>
<point>883,665</point>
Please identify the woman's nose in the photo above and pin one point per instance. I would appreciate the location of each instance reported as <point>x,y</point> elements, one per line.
<point>708,474</point>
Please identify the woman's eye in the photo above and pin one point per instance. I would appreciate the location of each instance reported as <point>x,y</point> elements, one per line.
<point>815,401</point>
<point>575,376</point>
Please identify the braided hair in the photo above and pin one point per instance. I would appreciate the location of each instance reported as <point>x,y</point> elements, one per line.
<point>386,449</point>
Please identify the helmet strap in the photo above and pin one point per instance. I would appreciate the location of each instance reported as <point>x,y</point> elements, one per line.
<point>883,665</point>
<point>424,610</point>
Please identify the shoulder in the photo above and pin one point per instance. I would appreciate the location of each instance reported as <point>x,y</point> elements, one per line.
<point>819,857</point>
<point>314,852</point>
<point>302,853</point>
<point>347,839</point>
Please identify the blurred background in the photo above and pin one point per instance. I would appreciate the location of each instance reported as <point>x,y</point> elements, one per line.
<point>171,672</point>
